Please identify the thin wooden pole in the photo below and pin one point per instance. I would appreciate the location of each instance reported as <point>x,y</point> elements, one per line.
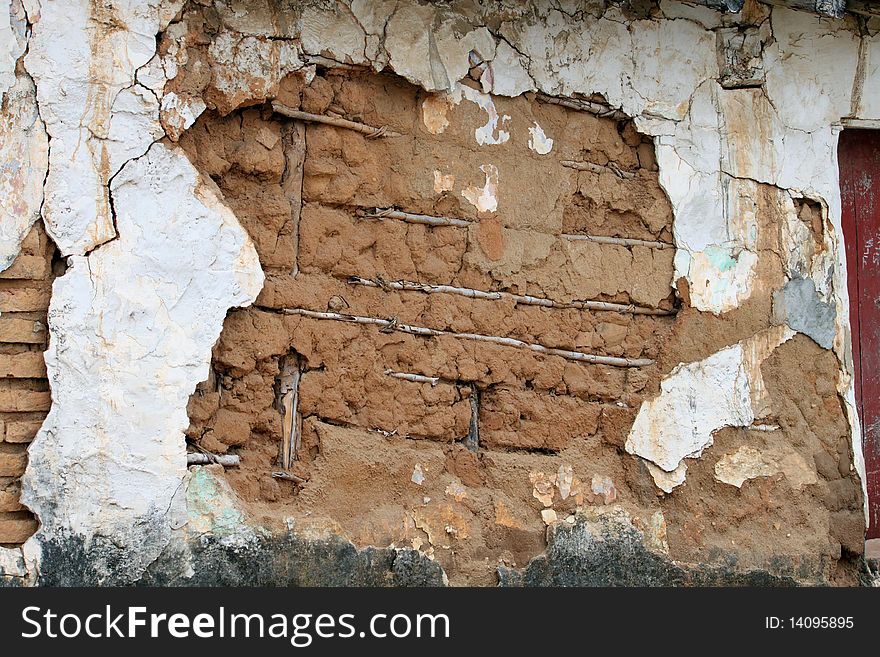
<point>599,168</point>
<point>620,241</point>
<point>204,458</point>
<point>600,110</point>
<point>521,299</point>
<point>389,325</point>
<point>368,130</point>
<point>412,218</point>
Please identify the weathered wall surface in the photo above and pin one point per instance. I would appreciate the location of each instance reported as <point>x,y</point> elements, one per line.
<point>515,402</point>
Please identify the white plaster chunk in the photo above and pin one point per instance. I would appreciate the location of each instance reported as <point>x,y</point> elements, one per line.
<point>484,198</point>
<point>507,74</point>
<point>82,55</point>
<point>24,157</point>
<point>428,47</point>
<point>697,399</point>
<point>373,15</point>
<point>750,463</point>
<point>564,480</point>
<point>251,67</point>
<point>334,33</point>
<point>12,41</point>
<point>667,481</point>
<point>538,141</point>
<point>12,563</point>
<point>178,113</point>
<point>604,486</point>
<point>132,327</point>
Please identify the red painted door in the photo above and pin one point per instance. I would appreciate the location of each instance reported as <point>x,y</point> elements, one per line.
<point>859,157</point>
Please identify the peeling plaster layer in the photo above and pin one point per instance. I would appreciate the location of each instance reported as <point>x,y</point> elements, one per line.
<point>748,463</point>
<point>24,153</point>
<point>83,57</point>
<point>724,390</point>
<point>132,329</point>
<point>12,41</point>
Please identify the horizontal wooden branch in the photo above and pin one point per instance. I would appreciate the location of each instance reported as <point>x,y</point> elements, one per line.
<point>205,458</point>
<point>412,218</point>
<point>619,241</point>
<point>390,325</point>
<point>368,130</point>
<point>600,110</point>
<point>523,299</point>
<point>599,168</point>
<point>415,378</point>
<point>288,477</point>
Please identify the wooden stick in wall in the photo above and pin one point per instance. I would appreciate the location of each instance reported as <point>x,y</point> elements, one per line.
<point>599,168</point>
<point>368,130</point>
<point>288,390</point>
<point>205,458</point>
<point>619,241</point>
<point>390,325</point>
<point>521,299</point>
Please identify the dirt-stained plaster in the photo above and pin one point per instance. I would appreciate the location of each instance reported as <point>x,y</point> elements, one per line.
<point>156,259</point>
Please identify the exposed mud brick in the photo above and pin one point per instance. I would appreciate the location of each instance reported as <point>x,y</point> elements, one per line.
<point>10,491</point>
<point>16,528</point>
<point>522,419</point>
<point>24,365</point>
<point>15,297</point>
<point>13,460</point>
<point>22,431</point>
<point>12,400</point>
<point>18,329</point>
<point>848,527</point>
<point>605,204</point>
<point>28,267</point>
<point>335,242</point>
<point>230,427</point>
<point>594,382</point>
<point>303,191</point>
<point>376,400</point>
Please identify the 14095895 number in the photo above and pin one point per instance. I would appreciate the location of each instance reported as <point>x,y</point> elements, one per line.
<point>821,622</point>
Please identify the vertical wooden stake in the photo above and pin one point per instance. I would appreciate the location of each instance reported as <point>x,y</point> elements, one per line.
<point>288,392</point>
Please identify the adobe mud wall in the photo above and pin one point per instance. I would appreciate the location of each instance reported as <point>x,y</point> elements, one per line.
<point>526,291</point>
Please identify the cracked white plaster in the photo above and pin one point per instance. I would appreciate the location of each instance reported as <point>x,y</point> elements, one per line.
<point>697,399</point>
<point>484,198</point>
<point>132,326</point>
<point>251,67</point>
<point>13,41</point>
<point>24,158</point>
<point>507,74</point>
<point>83,56</point>
<point>430,46</point>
